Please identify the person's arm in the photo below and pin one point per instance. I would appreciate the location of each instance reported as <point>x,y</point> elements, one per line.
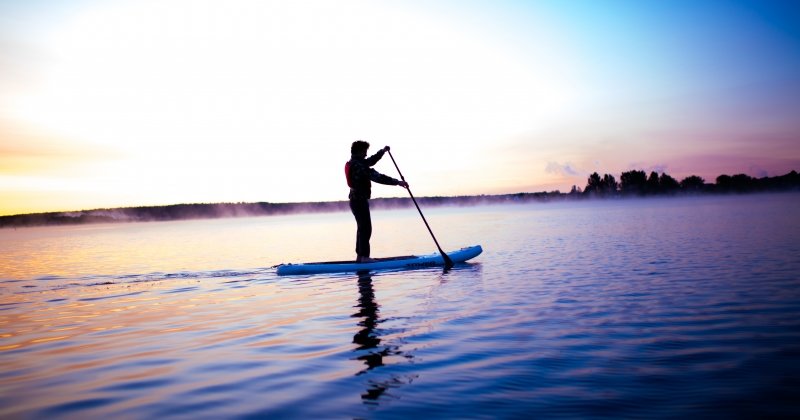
<point>372,160</point>
<point>380,178</point>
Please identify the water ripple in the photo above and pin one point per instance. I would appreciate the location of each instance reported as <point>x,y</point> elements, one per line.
<point>688,309</point>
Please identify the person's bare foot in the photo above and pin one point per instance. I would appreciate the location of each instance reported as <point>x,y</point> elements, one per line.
<point>365,259</point>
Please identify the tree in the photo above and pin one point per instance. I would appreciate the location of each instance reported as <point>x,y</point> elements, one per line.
<point>668,184</point>
<point>592,184</point>
<point>738,183</point>
<point>652,186</point>
<point>608,184</point>
<point>742,182</point>
<point>724,182</point>
<point>633,182</point>
<point>595,185</point>
<point>693,183</point>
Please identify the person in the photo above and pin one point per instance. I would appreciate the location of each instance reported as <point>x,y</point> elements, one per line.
<point>360,176</point>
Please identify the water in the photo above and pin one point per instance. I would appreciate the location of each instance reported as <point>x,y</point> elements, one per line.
<point>632,308</point>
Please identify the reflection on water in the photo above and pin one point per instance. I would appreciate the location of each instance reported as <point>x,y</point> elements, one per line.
<point>635,309</point>
<point>368,340</point>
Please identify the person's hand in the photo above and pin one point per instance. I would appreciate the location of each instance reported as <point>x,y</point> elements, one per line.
<point>386,148</point>
<point>403,184</point>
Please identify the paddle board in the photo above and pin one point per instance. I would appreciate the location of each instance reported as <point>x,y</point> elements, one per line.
<point>404,262</point>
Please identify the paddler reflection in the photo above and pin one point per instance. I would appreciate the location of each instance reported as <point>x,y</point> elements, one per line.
<point>369,340</point>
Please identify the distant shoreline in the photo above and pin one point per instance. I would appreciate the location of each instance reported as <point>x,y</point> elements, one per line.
<point>597,187</point>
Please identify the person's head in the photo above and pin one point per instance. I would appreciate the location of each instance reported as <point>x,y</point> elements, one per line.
<point>359,148</point>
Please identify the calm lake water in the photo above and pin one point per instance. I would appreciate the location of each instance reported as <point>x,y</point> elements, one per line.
<point>629,308</point>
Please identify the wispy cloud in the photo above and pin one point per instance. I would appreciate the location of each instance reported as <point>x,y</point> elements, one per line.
<point>564,169</point>
<point>640,166</point>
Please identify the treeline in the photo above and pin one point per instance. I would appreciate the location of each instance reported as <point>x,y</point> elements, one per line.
<point>165,213</point>
<point>631,183</point>
<point>223,210</point>
<point>638,183</point>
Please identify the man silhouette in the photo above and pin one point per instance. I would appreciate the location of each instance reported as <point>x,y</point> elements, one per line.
<point>360,176</point>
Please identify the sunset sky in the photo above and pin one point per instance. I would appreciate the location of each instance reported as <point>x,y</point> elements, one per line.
<point>109,103</point>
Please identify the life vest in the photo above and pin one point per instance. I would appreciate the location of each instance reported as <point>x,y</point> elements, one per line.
<point>347,174</point>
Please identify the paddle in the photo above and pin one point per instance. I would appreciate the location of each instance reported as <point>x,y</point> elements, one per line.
<point>448,263</point>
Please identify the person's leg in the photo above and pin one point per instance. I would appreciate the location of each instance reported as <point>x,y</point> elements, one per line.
<point>360,210</point>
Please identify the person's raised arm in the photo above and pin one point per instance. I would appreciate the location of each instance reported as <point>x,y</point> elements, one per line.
<point>372,160</point>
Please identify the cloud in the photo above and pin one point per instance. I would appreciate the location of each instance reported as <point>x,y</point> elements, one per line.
<point>758,171</point>
<point>565,169</point>
<point>641,166</point>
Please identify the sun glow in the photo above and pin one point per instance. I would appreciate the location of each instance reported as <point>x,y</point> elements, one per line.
<point>260,101</point>
<point>107,103</point>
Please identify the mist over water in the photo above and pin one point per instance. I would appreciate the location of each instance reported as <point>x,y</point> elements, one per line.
<point>617,308</point>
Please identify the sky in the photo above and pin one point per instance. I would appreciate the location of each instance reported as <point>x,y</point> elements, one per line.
<point>119,103</point>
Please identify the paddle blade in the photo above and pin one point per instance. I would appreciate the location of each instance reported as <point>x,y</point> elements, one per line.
<point>448,263</point>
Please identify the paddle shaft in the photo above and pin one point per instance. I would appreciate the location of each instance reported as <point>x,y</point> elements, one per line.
<point>447,261</point>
